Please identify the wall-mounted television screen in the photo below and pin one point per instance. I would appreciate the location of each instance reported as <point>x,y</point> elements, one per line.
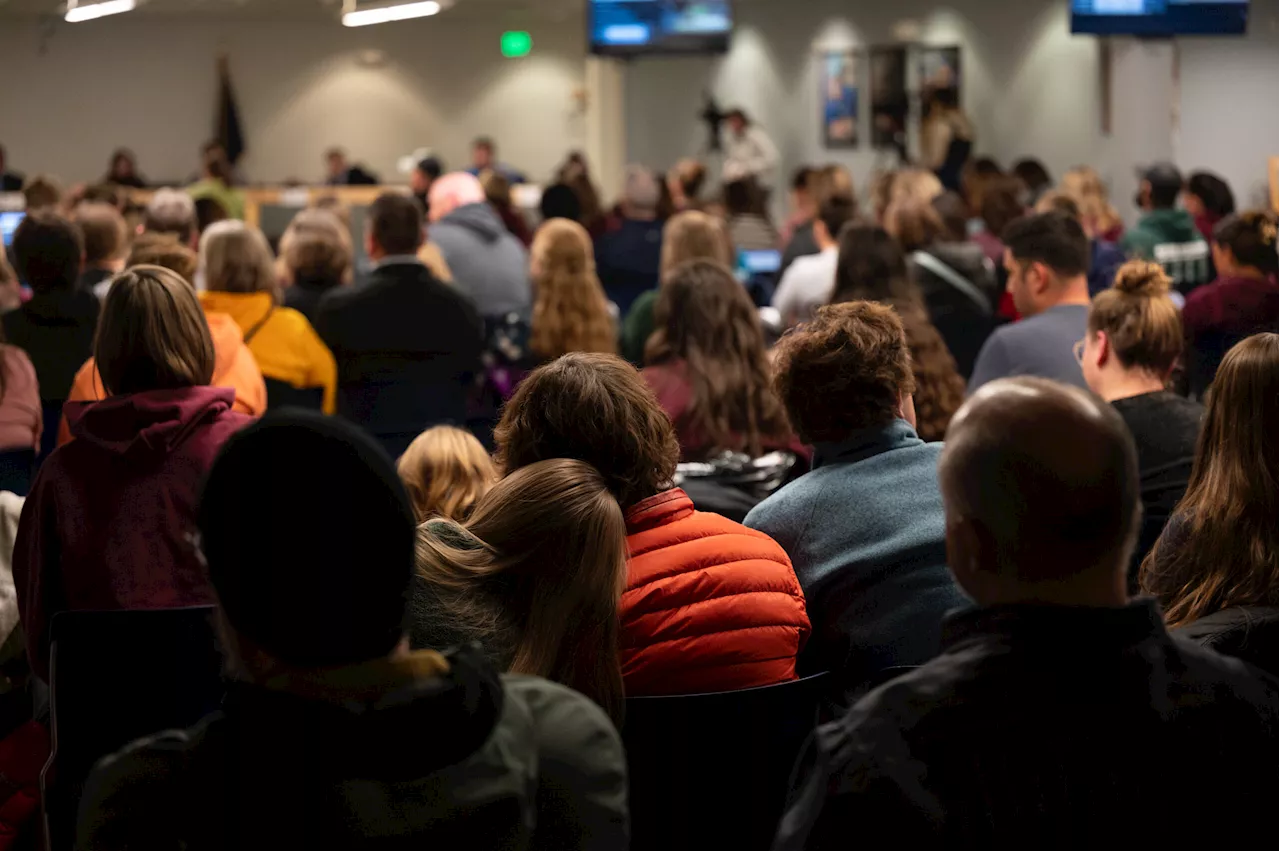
<point>1160,17</point>
<point>633,27</point>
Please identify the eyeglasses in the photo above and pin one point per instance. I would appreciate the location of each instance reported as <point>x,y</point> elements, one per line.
<point>1078,351</point>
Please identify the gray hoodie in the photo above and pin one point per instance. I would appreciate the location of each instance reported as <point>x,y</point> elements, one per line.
<point>488,263</point>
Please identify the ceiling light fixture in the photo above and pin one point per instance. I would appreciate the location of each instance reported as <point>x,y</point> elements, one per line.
<point>77,12</point>
<point>385,13</point>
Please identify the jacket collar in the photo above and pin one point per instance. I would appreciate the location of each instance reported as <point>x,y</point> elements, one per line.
<point>659,510</point>
<point>1048,626</point>
<point>866,443</point>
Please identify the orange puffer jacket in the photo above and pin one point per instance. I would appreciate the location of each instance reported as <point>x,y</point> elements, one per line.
<point>710,605</point>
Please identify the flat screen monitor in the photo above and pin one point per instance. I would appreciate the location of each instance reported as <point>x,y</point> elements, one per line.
<point>8,224</point>
<point>1160,17</point>
<point>635,27</point>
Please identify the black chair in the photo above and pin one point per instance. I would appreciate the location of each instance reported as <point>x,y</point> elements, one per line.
<point>282,394</point>
<point>713,770</point>
<point>17,467</point>
<point>116,677</point>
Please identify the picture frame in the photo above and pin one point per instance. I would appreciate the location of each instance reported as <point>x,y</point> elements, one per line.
<point>839,80</point>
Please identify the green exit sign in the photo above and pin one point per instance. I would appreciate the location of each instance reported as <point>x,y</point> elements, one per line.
<point>516,43</point>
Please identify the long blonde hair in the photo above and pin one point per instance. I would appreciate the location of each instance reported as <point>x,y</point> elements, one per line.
<point>570,310</point>
<point>1084,186</point>
<point>694,235</point>
<point>544,565</point>
<point>446,471</point>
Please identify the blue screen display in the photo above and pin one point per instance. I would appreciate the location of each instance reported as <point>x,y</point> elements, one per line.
<point>8,224</point>
<point>1160,17</point>
<point>659,26</point>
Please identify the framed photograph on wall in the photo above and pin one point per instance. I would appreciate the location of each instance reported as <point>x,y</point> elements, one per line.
<point>890,102</point>
<point>939,71</point>
<point>838,80</point>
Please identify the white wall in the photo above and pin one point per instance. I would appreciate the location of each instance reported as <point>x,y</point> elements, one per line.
<point>1228,106</point>
<point>1029,85</point>
<point>148,83</point>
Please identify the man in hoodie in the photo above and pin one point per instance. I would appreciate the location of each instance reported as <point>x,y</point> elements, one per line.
<point>108,522</point>
<point>488,262</point>
<point>333,733</point>
<point>234,365</point>
<point>1167,233</point>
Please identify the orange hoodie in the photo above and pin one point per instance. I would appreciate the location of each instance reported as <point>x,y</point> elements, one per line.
<point>234,367</point>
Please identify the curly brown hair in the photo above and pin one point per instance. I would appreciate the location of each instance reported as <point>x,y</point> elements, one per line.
<point>705,318</point>
<point>570,310</point>
<point>595,408</point>
<point>844,371</point>
<point>871,267</point>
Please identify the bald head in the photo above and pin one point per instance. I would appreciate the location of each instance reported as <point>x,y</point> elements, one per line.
<point>1040,482</point>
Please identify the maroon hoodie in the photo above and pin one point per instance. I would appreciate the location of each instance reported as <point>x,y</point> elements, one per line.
<point>109,521</point>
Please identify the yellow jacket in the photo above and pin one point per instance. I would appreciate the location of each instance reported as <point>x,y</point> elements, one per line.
<point>285,345</point>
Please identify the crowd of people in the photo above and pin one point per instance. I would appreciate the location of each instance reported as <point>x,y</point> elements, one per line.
<point>1001,469</point>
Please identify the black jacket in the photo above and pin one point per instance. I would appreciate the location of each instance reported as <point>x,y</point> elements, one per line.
<point>964,322</point>
<point>305,296</point>
<point>56,331</point>
<point>460,760</point>
<point>1048,727</point>
<point>407,348</point>
<point>1251,633</point>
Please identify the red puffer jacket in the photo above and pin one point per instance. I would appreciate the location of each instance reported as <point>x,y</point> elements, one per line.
<point>710,605</point>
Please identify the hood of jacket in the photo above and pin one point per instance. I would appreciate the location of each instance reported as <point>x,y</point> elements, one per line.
<point>245,309</point>
<point>1174,225</point>
<point>967,258</point>
<point>480,218</point>
<point>154,422</point>
<point>392,720</point>
<point>227,340</point>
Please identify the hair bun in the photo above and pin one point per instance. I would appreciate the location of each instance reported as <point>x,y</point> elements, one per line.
<point>1141,278</point>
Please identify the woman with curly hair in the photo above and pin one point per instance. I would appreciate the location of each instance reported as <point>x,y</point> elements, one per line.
<point>708,368</point>
<point>570,311</point>
<point>872,268</point>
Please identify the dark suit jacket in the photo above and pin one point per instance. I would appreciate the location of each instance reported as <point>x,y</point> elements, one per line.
<point>407,347</point>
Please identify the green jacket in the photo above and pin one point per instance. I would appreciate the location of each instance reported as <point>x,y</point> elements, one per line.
<point>637,326</point>
<point>1170,238</point>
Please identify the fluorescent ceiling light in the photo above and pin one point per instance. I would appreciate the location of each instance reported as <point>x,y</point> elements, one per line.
<point>394,12</point>
<point>77,13</point>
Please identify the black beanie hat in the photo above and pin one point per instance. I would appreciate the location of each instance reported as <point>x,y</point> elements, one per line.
<point>309,539</point>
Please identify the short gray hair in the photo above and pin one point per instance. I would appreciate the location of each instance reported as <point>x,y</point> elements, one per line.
<point>171,211</point>
<point>236,258</point>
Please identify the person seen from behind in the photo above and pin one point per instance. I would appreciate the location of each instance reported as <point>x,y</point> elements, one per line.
<point>874,579</point>
<point>809,280</point>
<point>534,576</point>
<point>239,271</point>
<point>691,235</point>
<point>871,267</point>
<point>708,367</point>
<point>320,741</point>
<point>1214,568</point>
<point>234,365</point>
<point>1056,689</point>
<point>1167,233</point>
<point>316,256</point>
<point>709,605</point>
<point>445,471</point>
<point>107,525</point>
<point>1243,300</point>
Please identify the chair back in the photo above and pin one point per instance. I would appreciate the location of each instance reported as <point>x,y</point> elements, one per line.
<point>282,394</point>
<point>17,466</point>
<point>115,677</point>
<point>713,770</point>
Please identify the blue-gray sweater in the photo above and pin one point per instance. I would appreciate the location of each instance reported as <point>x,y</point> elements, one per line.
<point>866,534</point>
